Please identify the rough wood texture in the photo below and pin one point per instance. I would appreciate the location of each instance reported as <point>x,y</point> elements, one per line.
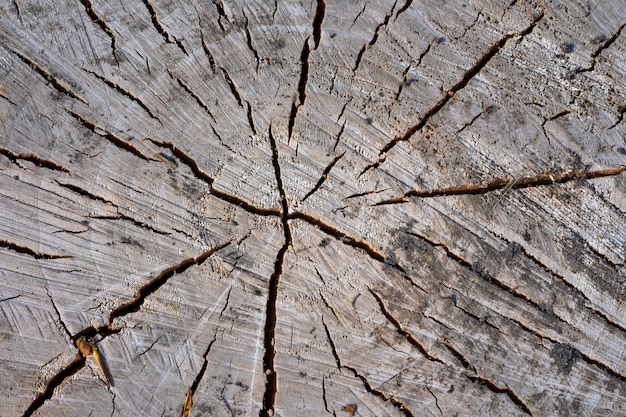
<point>410,208</point>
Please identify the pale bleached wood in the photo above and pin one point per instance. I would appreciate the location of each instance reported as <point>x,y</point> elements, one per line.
<point>144,139</point>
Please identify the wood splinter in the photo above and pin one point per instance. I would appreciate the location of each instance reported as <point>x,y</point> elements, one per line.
<point>87,347</point>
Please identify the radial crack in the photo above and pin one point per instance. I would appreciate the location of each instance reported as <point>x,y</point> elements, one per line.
<point>196,97</point>
<point>317,22</point>
<point>364,193</point>
<point>98,20</point>
<point>500,183</point>
<point>205,364</point>
<point>304,76</point>
<point>602,47</point>
<point>114,139</point>
<point>324,397</point>
<point>462,83</point>
<point>338,137</point>
<point>341,236</point>
<point>232,86</point>
<point>409,337</point>
<point>10,298</point>
<point>35,159</point>
<point>436,399</point>
<point>269,343</point>
<point>304,60</point>
<point>324,175</point>
<point>49,77</point>
<point>374,37</point>
<point>606,368</point>
<point>208,53</point>
<point>126,94</point>
<point>249,41</point>
<point>53,383</point>
<point>28,251</point>
<point>161,30</point>
<point>65,328</point>
<point>157,282</point>
<point>135,222</point>
<point>221,12</point>
<point>549,119</point>
<point>250,119</point>
<point>327,304</point>
<point>477,269</point>
<point>357,16</point>
<point>471,122</point>
<point>148,348</point>
<point>333,348</point>
<point>81,191</point>
<point>604,317</point>
<point>405,6</point>
<point>368,387</point>
<point>193,165</point>
<point>405,81</point>
<point>499,390</point>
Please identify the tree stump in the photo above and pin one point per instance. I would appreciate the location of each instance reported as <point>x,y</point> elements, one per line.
<point>319,208</point>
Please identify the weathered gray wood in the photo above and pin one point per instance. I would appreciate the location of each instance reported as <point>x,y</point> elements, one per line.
<point>316,208</point>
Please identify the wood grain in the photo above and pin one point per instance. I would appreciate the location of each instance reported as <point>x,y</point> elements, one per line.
<point>313,208</point>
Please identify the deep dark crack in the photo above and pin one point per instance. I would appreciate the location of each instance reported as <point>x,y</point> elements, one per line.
<point>35,159</point>
<point>304,76</point>
<point>271,376</point>
<point>232,86</point>
<point>28,251</point>
<point>102,24</point>
<point>77,364</point>
<point>405,7</point>
<point>249,41</point>
<point>493,387</point>
<point>193,165</point>
<point>205,364</point>
<point>372,41</point>
<point>221,12</point>
<point>250,119</point>
<point>320,11</point>
<point>81,191</point>
<point>161,30</point>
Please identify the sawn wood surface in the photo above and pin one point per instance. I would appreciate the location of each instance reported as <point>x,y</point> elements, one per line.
<point>346,208</point>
